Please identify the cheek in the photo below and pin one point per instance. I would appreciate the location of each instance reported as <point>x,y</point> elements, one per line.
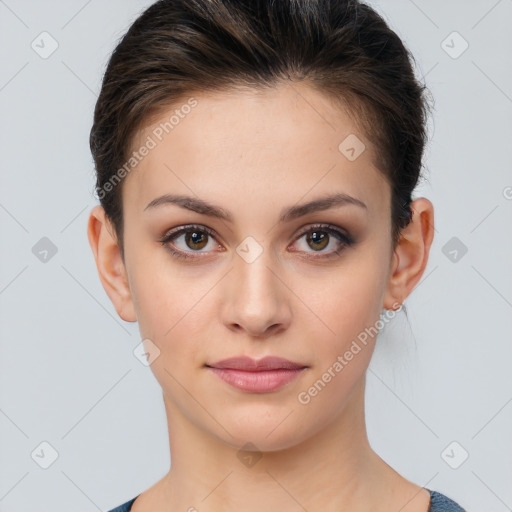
<point>163,296</point>
<point>350,305</point>
<point>351,308</point>
<point>348,300</point>
<point>170,309</point>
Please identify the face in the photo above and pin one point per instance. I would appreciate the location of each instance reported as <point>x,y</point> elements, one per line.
<point>269,278</point>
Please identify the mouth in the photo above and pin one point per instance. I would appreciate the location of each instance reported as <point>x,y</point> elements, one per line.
<point>257,376</point>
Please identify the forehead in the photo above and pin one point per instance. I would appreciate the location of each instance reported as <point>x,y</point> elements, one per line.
<point>262,147</point>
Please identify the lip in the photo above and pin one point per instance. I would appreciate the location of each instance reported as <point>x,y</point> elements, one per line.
<point>257,376</point>
<point>248,364</point>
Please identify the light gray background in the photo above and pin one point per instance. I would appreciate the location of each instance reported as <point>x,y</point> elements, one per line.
<point>67,372</point>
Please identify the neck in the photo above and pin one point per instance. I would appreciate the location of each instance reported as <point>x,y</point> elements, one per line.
<point>334,469</point>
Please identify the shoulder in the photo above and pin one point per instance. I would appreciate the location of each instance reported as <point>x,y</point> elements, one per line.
<point>441,503</point>
<point>125,507</point>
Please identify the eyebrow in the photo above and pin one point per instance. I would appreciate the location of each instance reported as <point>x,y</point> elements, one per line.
<point>290,213</point>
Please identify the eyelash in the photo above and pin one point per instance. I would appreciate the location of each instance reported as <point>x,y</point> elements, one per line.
<point>345,239</point>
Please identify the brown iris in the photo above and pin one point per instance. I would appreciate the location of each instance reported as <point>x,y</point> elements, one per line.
<point>318,237</point>
<point>194,238</point>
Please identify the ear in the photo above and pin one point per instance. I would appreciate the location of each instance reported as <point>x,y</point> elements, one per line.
<point>111,267</point>
<point>411,254</point>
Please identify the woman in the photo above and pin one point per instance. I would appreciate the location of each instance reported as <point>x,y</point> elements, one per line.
<point>255,164</point>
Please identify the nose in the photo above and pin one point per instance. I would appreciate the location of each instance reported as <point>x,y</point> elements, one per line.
<point>257,300</point>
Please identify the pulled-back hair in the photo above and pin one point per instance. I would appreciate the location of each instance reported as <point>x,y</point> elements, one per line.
<point>342,48</point>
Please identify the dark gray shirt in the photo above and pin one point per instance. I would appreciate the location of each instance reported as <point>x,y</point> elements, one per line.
<point>438,503</point>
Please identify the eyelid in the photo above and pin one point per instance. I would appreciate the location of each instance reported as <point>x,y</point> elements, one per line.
<point>188,227</point>
<point>327,227</point>
<point>306,228</point>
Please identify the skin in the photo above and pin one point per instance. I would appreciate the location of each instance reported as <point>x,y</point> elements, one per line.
<point>254,153</point>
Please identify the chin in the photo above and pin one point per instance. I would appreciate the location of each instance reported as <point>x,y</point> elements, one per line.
<point>262,432</point>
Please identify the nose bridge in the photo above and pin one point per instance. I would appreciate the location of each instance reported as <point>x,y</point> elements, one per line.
<point>257,299</point>
<point>253,272</point>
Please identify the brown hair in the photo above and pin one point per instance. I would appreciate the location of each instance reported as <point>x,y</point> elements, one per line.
<point>343,48</point>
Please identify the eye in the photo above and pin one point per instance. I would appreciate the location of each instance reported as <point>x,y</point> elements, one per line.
<point>195,238</point>
<point>320,236</point>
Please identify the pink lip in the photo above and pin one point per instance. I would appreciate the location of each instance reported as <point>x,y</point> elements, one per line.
<point>252,365</point>
<point>264,375</point>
